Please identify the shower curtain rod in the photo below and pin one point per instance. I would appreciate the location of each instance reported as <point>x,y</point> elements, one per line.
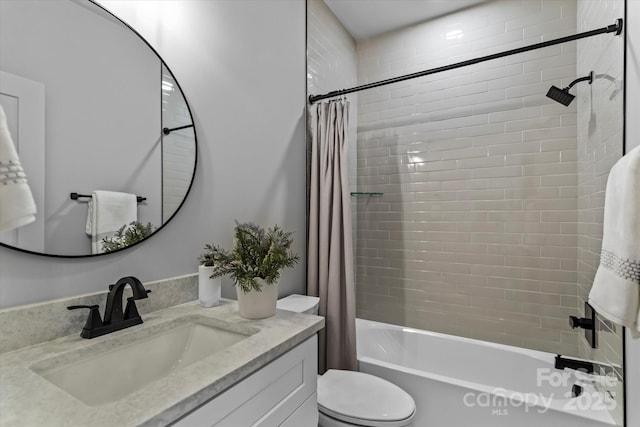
<point>617,28</point>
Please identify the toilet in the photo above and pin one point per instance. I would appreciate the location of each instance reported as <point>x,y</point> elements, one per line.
<point>348,398</point>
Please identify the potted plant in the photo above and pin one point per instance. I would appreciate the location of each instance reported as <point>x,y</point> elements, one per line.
<point>127,235</point>
<point>254,263</point>
<point>209,285</point>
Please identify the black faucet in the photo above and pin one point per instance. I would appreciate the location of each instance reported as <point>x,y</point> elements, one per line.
<point>578,365</point>
<point>114,318</point>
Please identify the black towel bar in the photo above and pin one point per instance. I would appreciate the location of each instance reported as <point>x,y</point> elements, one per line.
<point>75,196</point>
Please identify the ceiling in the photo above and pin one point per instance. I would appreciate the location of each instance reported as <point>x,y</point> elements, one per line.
<point>366,18</point>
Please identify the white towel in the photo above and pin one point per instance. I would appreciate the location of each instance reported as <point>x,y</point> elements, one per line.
<point>615,293</point>
<point>17,207</point>
<point>108,211</point>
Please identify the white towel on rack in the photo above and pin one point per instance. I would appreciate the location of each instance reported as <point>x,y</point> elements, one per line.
<point>615,293</point>
<point>108,211</point>
<point>17,207</point>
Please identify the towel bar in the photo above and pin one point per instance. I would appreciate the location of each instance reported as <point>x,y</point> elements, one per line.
<point>75,196</point>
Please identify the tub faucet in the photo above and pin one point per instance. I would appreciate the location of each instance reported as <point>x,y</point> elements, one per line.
<point>114,318</point>
<point>578,365</point>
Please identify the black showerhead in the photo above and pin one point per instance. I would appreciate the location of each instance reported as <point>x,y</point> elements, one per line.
<point>562,95</point>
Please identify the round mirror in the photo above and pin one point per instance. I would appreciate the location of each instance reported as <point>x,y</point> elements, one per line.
<point>99,123</point>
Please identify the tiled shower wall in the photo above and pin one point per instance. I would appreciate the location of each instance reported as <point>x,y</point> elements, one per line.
<point>476,232</point>
<point>600,124</point>
<point>331,52</point>
<point>178,153</point>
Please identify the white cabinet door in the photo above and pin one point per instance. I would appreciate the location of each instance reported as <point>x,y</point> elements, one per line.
<point>268,397</point>
<point>305,415</point>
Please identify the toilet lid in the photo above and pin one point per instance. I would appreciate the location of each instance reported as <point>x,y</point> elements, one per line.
<point>363,399</point>
<point>298,303</point>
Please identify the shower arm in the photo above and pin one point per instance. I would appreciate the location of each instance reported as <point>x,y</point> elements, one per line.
<point>581,79</point>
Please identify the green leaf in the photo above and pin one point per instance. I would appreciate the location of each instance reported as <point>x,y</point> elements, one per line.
<point>127,235</point>
<point>255,253</point>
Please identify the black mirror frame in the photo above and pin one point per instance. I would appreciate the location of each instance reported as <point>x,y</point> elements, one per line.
<point>195,161</point>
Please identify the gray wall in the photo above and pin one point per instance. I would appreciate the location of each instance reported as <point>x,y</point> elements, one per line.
<point>242,68</point>
<point>633,140</point>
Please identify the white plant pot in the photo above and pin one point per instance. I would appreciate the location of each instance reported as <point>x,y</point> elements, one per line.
<point>258,305</point>
<point>209,290</point>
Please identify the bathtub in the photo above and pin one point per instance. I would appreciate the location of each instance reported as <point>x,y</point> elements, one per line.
<point>460,382</point>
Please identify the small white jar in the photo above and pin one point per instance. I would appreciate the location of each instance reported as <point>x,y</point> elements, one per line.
<point>209,290</point>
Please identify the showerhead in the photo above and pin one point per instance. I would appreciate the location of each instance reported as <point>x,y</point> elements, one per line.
<point>562,95</point>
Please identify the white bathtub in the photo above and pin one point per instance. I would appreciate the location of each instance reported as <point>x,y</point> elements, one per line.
<point>460,382</point>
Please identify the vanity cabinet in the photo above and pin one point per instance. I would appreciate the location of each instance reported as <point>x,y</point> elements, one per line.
<point>283,393</point>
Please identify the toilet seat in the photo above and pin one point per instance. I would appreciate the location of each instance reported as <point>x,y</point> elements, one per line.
<point>364,400</point>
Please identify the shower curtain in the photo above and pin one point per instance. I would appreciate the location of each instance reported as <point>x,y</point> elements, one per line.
<point>330,255</point>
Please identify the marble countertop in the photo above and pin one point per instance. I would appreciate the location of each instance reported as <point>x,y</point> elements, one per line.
<point>28,399</point>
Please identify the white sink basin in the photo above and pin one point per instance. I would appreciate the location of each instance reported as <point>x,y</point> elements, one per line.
<point>105,374</point>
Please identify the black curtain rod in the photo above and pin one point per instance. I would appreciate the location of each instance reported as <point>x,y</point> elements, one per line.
<point>76,196</point>
<point>617,28</point>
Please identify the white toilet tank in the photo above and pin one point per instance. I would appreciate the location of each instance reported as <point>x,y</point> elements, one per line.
<point>299,304</point>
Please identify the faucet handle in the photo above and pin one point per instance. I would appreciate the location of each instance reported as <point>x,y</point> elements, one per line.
<point>75,307</point>
<point>580,322</point>
<point>93,321</point>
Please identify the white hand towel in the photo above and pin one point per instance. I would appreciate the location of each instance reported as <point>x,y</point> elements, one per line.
<point>108,211</point>
<point>17,207</point>
<point>615,293</point>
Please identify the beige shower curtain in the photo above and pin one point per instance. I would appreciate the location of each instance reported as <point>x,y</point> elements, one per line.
<point>330,255</point>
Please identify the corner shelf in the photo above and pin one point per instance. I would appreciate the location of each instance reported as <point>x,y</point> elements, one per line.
<point>365,193</point>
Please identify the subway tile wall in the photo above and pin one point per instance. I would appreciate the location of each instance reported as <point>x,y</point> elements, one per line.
<point>490,215</point>
<point>178,153</point>
<point>476,233</point>
<point>600,124</point>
